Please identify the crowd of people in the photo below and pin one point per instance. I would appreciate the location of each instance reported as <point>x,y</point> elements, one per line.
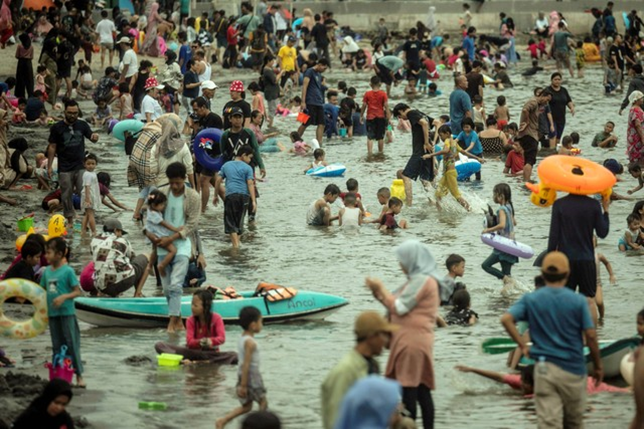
<point>288,57</point>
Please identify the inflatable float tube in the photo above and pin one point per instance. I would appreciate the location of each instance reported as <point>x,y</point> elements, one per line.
<point>296,23</point>
<point>333,170</point>
<point>35,294</point>
<point>627,368</point>
<point>130,125</point>
<point>507,245</point>
<point>208,139</point>
<point>573,175</point>
<point>465,167</point>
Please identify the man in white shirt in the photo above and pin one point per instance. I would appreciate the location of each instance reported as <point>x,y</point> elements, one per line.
<point>129,66</point>
<point>106,29</point>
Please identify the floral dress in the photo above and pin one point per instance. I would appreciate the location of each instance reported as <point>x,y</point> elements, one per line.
<point>635,145</point>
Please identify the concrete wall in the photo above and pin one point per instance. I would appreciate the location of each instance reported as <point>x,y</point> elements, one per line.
<point>400,15</point>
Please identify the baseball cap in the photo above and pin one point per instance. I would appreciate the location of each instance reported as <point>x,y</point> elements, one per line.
<point>291,39</point>
<point>112,224</point>
<point>372,322</point>
<point>234,111</point>
<point>208,84</point>
<point>555,263</point>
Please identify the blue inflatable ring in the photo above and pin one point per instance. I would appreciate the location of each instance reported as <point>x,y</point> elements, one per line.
<point>132,126</point>
<point>466,170</point>
<point>208,138</point>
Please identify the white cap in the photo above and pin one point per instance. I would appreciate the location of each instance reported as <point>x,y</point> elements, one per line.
<point>208,84</point>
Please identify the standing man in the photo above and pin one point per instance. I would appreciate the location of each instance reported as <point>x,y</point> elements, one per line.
<point>313,98</point>
<point>468,43</point>
<point>208,90</point>
<point>387,68</point>
<point>286,57</point>
<point>559,321</point>
<point>616,53</point>
<point>417,166</point>
<point>372,336</point>
<point>460,105</point>
<point>182,210</point>
<point>67,141</point>
<point>411,48</point>
<point>270,26</point>
<point>561,49</point>
<point>528,135</point>
<point>475,82</point>
<point>574,221</point>
<point>248,21</point>
<point>637,84</point>
<point>106,29</point>
<point>129,67</point>
<point>321,38</point>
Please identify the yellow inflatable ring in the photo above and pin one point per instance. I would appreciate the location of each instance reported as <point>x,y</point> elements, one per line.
<point>37,296</point>
<point>574,175</point>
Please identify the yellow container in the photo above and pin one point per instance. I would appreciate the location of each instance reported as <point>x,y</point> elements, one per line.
<point>169,360</point>
<point>398,189</point>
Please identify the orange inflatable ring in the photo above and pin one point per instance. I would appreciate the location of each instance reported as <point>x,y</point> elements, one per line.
<point>37,296</point>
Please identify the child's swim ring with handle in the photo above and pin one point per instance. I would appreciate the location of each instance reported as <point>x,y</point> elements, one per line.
<point>573,175</point>
<point>31,292</point>
<point>128,125</point>
<point>465,167</point>
<point>507,245</point>
<point>333,170</point>
<point>209,138</point>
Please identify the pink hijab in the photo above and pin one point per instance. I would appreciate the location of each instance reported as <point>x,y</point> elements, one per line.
<point>5,15</point>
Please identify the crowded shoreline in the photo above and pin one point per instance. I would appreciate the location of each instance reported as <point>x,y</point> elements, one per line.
<point>352,153</point>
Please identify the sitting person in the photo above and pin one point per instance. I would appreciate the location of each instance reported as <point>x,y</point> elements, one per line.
<point>635,170</point>
<point>48,409</point>
<point>45,182</point>
<point>205,332</point>
<point>606,139</point>
<point>319,213</point>
<point>40,240</point>
<point>388,221</point>
<point>515,161</point>
<point>461,314</point>
<point>20,168</point>
<point>30,253</point>
<point>631,236</point>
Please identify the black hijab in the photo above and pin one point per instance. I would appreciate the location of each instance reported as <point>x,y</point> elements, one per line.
<point>25,40</point>
<point>172,57</point>
<point>36,416</point>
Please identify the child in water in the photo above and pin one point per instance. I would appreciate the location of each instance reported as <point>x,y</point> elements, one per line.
<point>635,171</point>
<point>461,314</point>
<point>628,241</point>
<point>62,286</point>
<point>155,224</point>
<point>501,113</point>
<point>250,386</point>
<point>455,265</point>
<point>566,147</point>
<point>318,160</point>
<point>90,194</point>
<point>599,295</point>
<point>350,215</point>
<point>388,221</point>
<point>383,196</point>
<point>505,228</point>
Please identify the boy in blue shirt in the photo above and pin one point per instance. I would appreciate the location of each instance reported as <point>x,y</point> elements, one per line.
<point>240,188</point>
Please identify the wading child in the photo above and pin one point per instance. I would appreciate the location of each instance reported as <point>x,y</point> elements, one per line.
<point>90,194</point>
<point>350,215</point>
<point>156,225</point>
<point>501,112</point>
<point>566,147</point>
<point>319,160</point>
<point>505,227</point>
<point>375,104</point>
<point>636,171</point>
<point>250,386</point>
<point>353,187</point>
<point>461,314</point>
<point>515,161</point>
<point>455,268</point>
<point>448,183</point>
<point>388,220</point>
<point>433,91</point>
<point>606,139</point>
<point>628,241</point>
<point>469,141</point>
<point>383,196</point>
<point>599,295</point>
<point>479,113</point>
<point>319,212</point>
<point>240,190</point>
<point>61,284</point>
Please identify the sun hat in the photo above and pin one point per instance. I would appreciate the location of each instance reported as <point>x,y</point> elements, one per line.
<point>555,263</point>
<point>237,85</point>
<point>152,82</point>
<point>372,322</point>
<point>635,95</point>
<point>208,84</point>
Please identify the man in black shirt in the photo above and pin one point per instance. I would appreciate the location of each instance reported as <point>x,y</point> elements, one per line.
<point>207,119</point>
<point>416,166</point>
<point>67,141</point>
<point>411,48</point>
<point>321,38</point>
<point>616,53</point>
<point>475,81</point>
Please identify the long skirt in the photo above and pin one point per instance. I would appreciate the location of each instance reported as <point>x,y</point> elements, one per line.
<point>64,331</point>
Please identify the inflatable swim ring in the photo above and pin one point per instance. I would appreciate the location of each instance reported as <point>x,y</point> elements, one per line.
<point>33,293</point>
<point>627,367</point>
<point>296,23</point>
<point>572,175</point>
<point>208,139</point>
<point>333,170</point>
<point>507,245</point>
<point>130,125</point>
<point>398,189</point>
<point>465,167</point>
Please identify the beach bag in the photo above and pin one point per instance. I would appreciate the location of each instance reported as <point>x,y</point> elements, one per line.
<point>274,293</point>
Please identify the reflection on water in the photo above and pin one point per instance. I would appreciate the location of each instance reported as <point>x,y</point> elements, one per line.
<point>284,250</point>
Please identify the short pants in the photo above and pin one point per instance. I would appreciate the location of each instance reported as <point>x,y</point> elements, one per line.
<point>418,167</point>
<point>316,115</point>
<point>376,128</point>
<point>530,147</point>
<point>583,275</point>
<point>235,207</point>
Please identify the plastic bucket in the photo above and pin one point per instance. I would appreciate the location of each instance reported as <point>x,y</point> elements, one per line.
<point>343,132</point>
<point>25,223</point>
<point>302,117</point>
<point>169,359</point>
<point>64,373</point>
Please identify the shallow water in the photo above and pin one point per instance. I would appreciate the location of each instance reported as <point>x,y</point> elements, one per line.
<point>282,249</point>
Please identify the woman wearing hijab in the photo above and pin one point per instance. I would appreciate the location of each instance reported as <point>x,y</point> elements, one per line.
<point>6,24</point>
<point>151,44</point>
<point>47,411</point>
<point>414,308</point>
<point>24,69</point>
<point>349,50</point>
<point>172,77</point>
<point>371,403</point>
<point>171,147</point>
<point>48,57</point>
